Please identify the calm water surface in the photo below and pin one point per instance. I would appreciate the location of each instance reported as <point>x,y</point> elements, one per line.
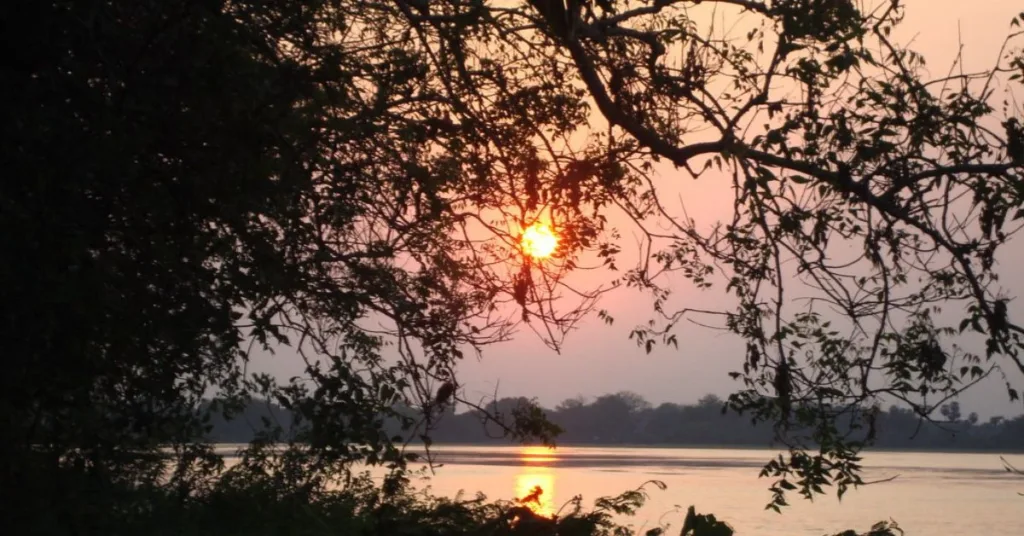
<point>934,494</point>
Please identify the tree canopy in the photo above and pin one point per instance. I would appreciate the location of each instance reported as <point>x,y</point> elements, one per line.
<point>831,138</point>
<point>349,178</point>
<point>192,180</point>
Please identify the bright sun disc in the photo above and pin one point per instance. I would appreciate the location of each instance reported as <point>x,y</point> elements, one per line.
<point>539,241</point>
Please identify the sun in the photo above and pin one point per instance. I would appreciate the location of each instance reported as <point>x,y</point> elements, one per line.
<point>539,241</point>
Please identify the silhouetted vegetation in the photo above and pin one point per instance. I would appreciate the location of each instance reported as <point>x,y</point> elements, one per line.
<point>189,181</point>
<point>249,502</point>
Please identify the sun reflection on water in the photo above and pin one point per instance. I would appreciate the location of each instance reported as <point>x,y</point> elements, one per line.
<point>537,455</point>
<point>537,473</point>
<point>531,478</point>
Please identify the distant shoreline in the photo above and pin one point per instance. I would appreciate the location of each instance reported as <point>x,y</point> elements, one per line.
<point>667,446</point>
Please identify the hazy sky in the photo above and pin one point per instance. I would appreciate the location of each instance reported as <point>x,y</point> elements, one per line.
<point>598,359</point>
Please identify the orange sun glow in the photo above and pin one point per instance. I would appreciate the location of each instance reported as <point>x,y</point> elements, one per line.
<point>526,484</point>
<point>539,241</point>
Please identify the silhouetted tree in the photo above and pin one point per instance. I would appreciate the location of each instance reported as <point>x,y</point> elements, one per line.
<point>187,182</point>
<point>951,411</point>
<point>829,136</point>
<point>193,180</point>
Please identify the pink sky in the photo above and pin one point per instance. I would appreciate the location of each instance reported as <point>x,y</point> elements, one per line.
<point>599,359</point>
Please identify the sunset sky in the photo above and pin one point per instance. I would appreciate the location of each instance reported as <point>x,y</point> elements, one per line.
<point>599,359</point>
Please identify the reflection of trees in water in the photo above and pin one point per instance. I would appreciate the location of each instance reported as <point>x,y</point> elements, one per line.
<point>531,478</point>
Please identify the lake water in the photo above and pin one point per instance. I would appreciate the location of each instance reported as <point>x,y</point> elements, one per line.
<point>934,494</point>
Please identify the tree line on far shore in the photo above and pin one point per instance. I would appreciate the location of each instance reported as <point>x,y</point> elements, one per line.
<point>626,418</point>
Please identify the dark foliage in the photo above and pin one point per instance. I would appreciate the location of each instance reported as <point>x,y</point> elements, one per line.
<point>185,181</point>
